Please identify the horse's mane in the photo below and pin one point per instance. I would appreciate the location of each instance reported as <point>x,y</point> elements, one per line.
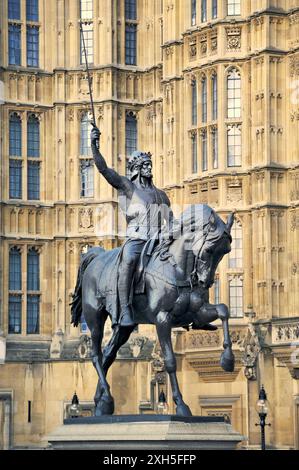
<point>193,219</point>
<point>197,218</point>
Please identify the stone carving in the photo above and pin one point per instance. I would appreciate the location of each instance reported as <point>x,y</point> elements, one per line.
<point>295,116</point>
<point>285,333</point>
<point>203,47</point>
<point>252,347</point>
<point>57,344</point>
<point>294,65</point>
<point>233,38</point>
<point>204,339</point>
<point>136,345</point>
<point>84,347</point>
<point>83,85</point>
<point>295,268</point>
<point>234,190</point>
<point>294,19</point>
<point>169,51</point>
<point>294,194</point>
<point>86,218</point>
<point>238,337</point>
<point>294,222</point>
<point>192,49</point>
<point>70,114</point>
<point>214,44</point>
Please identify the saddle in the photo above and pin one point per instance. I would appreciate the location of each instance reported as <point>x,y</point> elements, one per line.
<point>139,277</point>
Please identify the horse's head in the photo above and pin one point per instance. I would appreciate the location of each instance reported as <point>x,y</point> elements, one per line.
<point>209,238</point>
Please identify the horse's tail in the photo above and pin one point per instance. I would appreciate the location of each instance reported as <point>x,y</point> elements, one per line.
<point>76,304</point>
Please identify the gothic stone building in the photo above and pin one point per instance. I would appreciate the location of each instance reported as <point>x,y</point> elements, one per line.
<point>211,89</point>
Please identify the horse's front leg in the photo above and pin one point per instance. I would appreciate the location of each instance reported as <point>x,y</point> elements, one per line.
<point>163,325</point>
<point>209,313</point>
<point>227,360</point>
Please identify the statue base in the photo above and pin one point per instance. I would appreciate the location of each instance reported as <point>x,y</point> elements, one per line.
<point>134,432</point>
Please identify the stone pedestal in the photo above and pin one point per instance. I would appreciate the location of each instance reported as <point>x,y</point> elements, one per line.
<point>133,432</point>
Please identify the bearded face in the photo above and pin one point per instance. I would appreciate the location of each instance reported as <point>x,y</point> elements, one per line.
<point>146,169</point>
<point>140,164</point>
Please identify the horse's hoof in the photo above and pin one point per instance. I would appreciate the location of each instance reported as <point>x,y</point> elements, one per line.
<point>227,361</point>
<point>183,410</point>
<point>104,407</point>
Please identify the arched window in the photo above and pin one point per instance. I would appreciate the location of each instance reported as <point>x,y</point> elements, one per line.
<point>236,297</point>
<point>215,147</point>
<point>15,150</point>
<point>204,99</point>
<point>194,152</point>
<point>15,136</point>
<point>15,297</point>
<point>194,102</point>
<point>33,137</point>
<point>204,150</point>
<point>33,152</point>
<point>214,97</point>
<point>33,295</point>
<point>15,270</point>
<point>131,133</point>
<point>14,44</point>
<point>214,9</point>
<point>85,129</point>
<point>193,12</point>
<point>33,270</point>
<point>233,94</point>
<point>236,254</point>
<point>203,11</point>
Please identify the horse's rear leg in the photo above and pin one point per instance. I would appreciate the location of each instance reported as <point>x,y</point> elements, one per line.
<point>119,337</point>
<point>103,399</point>
<point>163,325</point>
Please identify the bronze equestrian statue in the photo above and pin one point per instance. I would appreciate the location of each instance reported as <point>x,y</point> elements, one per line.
<point>172,264</point>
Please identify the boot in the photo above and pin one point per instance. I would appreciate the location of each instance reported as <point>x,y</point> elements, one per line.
<point>124,287</point>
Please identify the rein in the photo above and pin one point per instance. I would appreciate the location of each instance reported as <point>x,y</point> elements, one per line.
<point>164,255</point>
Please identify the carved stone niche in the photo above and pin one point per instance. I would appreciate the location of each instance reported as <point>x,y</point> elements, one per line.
<point>294,193</point>
<point>251,348</point>
<point>192,48</point>
<point>233,38</point>
<point>294,65</point>
<point>86,219</point>
<point>234,190</point>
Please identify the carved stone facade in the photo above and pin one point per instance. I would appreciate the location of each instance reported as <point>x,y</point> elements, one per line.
<point>259,46</point>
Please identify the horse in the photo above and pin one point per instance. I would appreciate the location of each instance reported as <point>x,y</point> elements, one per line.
<point>177,280</point>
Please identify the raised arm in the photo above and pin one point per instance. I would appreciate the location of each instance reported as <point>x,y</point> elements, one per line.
<point>113,178</point>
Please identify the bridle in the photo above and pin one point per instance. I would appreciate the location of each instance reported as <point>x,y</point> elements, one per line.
<point>194,274</point>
